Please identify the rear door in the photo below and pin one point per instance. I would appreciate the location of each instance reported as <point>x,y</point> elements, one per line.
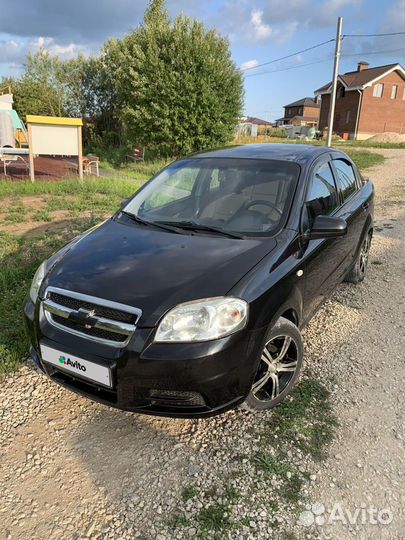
<point>353,208</point>
<point>322,258</point>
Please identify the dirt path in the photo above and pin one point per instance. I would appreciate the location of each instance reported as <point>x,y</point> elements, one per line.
<point>71,468</point>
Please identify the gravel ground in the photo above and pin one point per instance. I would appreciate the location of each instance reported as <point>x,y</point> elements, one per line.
<point>72,468</point>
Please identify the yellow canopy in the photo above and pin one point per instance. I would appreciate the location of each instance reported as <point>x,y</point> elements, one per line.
<point>55,120</point>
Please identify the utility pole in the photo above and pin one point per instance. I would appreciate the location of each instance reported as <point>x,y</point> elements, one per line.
<point>334,81</point>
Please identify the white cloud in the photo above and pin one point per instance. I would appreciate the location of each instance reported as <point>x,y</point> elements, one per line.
<point>260,30</point>
<point>63,51</point>
<point>262,21</point>
<point>14,53</point>
<point>249,64</point>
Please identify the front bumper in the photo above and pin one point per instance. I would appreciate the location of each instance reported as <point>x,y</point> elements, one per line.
<point>167,379</point>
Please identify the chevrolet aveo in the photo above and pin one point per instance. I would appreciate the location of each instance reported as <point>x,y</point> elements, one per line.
<point>190,299</point>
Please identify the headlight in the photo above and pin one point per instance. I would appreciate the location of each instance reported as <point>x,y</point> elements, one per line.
<point>36,281</point>
<point>202,320</point>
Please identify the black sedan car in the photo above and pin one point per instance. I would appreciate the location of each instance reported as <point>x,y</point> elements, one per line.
<point>190,299</point>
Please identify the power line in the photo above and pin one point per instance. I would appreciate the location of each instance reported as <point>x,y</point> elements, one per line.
<point>364,53</point>
<point>320,45</point>
<point>373,52</point>
<point>374,35</point>
<point>288,68</point>
<point>288,55</point>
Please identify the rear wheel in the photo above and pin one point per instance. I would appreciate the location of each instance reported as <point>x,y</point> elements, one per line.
<point>358,272</point>
<point>279,367</point>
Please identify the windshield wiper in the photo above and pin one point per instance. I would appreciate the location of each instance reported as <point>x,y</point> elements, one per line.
<point>194,226</point>
<point>159,224</point>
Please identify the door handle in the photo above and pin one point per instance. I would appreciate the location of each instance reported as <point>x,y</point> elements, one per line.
<point>365,205</point>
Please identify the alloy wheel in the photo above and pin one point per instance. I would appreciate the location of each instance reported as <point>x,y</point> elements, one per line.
<point>278,363</point>
<point>363,257</point>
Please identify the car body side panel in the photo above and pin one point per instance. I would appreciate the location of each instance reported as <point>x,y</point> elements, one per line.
<point>271,289</point>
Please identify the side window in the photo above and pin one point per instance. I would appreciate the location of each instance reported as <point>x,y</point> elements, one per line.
<point>345,177</point>
<point>214,182</point>
<point>322,197</point>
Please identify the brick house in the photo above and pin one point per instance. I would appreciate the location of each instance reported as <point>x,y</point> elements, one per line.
<point>368,101</point>
<point>304,112</point>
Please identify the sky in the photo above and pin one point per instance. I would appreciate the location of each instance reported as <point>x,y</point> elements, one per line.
<point>259,31</point>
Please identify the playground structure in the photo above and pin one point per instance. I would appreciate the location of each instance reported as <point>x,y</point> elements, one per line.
<point>51,145</point>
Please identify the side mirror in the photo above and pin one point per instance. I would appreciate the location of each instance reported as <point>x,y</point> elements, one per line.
<point>327,227</point>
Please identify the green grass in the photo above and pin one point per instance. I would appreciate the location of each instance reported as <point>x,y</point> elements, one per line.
<point>188,493</point>
<point>19,258</point>
<point>292,479</point>
<point>20,255</point>
<point>365,144</point>
<point>71,186</point>
<point>214,519</point>
<point>178,520</point>
<point>16,211</point>
<point>306,420</point>
<point>141,171</point>
<point>336,142</point>
<point>43,215</point>
<point>364,159</point>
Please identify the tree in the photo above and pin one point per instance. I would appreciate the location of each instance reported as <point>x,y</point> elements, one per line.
<point>81,87</point>
<point>179,88</point>
<point>39,90</point>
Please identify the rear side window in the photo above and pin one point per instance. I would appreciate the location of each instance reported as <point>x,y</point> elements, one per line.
<point>322,197</point>
<point>345,178</point>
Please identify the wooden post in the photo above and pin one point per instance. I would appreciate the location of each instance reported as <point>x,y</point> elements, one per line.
<point>80,151</point>
<point>31,155</point>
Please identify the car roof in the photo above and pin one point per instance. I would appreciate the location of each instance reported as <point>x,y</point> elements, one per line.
<point>287,152</point>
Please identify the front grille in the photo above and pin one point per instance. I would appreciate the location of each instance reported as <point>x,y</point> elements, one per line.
<point>90,317</point>
<point>99,311</point>
<point>95,332</point>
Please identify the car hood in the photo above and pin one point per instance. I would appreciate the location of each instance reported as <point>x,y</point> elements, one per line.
<point>153,269</point>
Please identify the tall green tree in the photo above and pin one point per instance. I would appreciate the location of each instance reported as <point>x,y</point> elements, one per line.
<point>178,86</point>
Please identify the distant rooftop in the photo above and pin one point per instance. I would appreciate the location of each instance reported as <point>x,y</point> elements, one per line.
<point>304,102</point>
<point>254,120</point>
<point>360,77</point>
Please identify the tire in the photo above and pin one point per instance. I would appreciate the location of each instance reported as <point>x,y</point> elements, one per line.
<point>279,367</point>
<point>359,270</point>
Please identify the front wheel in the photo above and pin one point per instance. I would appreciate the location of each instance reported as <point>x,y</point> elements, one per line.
<point>279,367</point>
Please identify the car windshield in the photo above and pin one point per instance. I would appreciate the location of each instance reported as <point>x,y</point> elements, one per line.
<point>224,195</point>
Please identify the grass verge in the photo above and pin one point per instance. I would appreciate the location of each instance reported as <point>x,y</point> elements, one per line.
<point>71,186</point>
<point>20,254</point>
<point>19,258</point>
<point>364,159</point>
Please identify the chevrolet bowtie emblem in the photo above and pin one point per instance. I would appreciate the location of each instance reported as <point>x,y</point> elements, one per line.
<point>84,317</point>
